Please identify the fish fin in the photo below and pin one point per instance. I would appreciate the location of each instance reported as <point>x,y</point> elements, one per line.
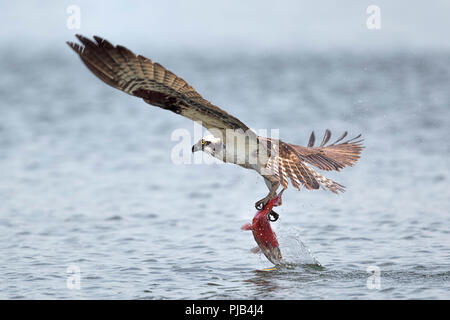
<point>246,226</point>
<point>269,269</point>
<point>255,249</point>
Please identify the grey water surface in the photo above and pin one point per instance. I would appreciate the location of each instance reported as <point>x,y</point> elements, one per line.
<point>87,180</point>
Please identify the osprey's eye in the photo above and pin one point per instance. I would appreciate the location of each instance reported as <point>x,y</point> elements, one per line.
<point>203,141</point>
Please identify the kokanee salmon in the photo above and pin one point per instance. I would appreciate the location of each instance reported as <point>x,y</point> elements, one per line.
<point>263,233</point>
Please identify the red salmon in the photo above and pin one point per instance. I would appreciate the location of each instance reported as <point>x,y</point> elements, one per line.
<point>262,232</point>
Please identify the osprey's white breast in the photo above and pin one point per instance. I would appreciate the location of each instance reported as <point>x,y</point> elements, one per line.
<point>242,150</point>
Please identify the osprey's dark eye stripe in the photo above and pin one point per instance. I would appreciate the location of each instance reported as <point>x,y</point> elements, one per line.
<point>205,142</point>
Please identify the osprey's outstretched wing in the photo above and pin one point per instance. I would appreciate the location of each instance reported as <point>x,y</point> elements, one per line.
<point>291,161</point>
<point>140,77</point>
<point>334,156</point>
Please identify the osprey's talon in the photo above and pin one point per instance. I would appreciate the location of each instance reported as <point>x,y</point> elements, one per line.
<point>259,205</point>
<point>274,216</point>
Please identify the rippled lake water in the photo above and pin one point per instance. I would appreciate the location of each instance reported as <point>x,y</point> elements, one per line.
<point>87,181</point>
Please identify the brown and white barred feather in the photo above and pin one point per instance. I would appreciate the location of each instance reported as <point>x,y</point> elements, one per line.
<point>333,156</point>
<point>290,162</point>
<point>140,77</point>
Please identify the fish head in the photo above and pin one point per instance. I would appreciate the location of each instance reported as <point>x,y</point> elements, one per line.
<point>277,200</point>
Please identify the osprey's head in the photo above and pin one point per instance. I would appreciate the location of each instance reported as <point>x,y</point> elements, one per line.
<point>210,145</point>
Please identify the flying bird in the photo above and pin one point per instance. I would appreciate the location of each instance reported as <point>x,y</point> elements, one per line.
<point>276,161</point>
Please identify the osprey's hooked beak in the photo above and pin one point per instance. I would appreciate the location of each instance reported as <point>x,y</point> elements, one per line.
<point>197,147</point>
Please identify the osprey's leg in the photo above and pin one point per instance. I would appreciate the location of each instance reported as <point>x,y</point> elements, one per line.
<point>273,185</point>
<point>273,216</point>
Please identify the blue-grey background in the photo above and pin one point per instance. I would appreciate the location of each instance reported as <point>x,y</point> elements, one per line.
<point>87,180</point>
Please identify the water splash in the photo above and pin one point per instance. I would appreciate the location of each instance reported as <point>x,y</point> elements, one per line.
<point>294,251</point>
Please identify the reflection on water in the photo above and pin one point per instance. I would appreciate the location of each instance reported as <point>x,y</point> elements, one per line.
<point>86,179</point>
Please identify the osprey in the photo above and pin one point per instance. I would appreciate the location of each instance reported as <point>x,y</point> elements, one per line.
<point>231,141</point>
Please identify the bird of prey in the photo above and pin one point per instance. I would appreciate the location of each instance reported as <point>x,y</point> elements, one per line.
<point>276,161</point>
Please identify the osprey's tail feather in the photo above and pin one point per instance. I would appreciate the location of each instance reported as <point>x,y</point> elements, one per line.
<point>327,183</point>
